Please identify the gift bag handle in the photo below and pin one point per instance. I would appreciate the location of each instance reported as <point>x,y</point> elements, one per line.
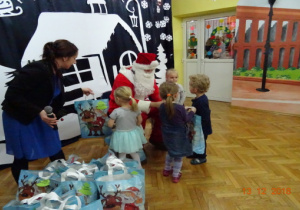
<point>54,164</point>
<point>41,175</point>
<point>114,163</point>
<point>52,196</point>
<point>94,97</point>
<point>73,173</point>
<point>34,199</point>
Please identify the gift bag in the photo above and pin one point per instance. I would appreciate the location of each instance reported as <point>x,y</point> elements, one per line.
<point>101,162</point>
<point>196,135</point>
<point>86,190</point>
<point>93,118</point>
<point>121,187</point>
<point>58,200</point>
<point>33,182</point>
<point>17,205</point>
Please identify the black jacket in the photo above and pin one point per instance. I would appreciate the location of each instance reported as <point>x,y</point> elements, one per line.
<point>31,90</point>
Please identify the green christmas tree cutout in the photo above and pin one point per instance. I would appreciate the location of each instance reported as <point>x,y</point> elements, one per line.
<point>86,189</point>
<point>101,105</point>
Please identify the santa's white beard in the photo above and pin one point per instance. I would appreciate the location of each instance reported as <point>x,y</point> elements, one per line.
<point>143,83</point>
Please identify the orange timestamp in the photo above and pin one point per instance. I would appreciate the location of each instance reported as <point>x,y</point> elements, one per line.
<point>264,191</point>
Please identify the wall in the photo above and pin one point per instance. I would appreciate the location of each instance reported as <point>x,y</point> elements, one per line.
<point>192,8</point>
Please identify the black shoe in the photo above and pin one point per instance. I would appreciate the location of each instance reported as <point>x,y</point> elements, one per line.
<point>198,161</point>
<point>194,155</point>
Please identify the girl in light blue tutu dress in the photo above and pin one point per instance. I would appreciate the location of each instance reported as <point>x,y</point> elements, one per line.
<point>128,137</point>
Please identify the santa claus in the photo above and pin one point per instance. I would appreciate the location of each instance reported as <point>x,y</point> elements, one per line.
<point>141,79</point>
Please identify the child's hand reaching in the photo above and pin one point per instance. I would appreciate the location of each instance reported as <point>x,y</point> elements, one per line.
<point>191,109</point>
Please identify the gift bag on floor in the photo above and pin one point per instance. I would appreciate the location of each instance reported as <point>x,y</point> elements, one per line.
<point>93,118</point>
<point>86,190</point>
<point>196,135</point>
<point>17,205</point>
<point>33,182</point>
<point>121,187</point>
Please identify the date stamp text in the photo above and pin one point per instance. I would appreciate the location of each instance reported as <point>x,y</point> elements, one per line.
<point>266,191</point>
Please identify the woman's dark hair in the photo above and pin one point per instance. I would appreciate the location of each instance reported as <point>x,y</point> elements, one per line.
<point>58,49</point>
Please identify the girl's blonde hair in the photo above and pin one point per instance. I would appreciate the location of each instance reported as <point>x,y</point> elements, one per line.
<point>124,93</point>
<point>167,92</point>
<point>200,82</point>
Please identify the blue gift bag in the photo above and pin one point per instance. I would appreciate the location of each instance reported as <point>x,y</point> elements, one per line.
<point>86,190</point>
<point>121,187</point>
<point>33,182</point>
<point>93,118</point>
<point>16,205</point>
<point>96,205</point>
<point>198,141</point>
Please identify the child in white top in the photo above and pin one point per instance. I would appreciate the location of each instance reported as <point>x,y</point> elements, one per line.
<point>128,138</point>
<point>172,76</point>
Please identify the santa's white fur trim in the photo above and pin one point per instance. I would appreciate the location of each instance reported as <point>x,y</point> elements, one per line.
<point>144,106</point>
<point>127,72</point>
<point>138,66</point>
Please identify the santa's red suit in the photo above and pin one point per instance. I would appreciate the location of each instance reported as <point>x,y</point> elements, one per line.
<point>126,78</point>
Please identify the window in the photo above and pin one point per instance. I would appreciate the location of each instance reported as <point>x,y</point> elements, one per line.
<point>78,73</point>
<point>192,41</point>
<point>219,37</point>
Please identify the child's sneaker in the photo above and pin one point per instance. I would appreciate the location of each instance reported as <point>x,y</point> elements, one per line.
<point>176,179</point>
<point>167,172</point>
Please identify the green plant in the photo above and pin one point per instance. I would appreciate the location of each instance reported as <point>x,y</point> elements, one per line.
<point>271,68</point>
<point>280,68</point>
<point>236,73</point>
<point>256,68</point>
<point>269,76</point>
<point>284,76</point>
<point>292,68</point>
<point>250,74</point>
<point>242,69</point>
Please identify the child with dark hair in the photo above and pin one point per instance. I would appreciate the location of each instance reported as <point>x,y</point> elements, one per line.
<point>29,131</point>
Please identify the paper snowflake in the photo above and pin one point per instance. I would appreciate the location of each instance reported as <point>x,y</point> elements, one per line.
<point>167,19</point>
<point>167,6</point>
<point>148,24</point>
<point>147,37</point>
<point>157,24</point>
<point>163,36</point>
<point>163,23</point>
<point>144,4</point>
<point>169,38</point>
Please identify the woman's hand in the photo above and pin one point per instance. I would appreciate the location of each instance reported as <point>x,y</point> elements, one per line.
<point>87,91</point>
<point>48,120</point>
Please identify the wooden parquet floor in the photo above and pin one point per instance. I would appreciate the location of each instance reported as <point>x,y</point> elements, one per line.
<point>253,163</point>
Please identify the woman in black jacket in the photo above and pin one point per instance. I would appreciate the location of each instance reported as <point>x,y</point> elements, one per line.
<point>29,132</point>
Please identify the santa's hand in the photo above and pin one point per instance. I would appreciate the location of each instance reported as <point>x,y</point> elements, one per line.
<point>156,104</point>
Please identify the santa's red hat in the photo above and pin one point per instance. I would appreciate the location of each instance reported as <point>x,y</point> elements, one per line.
<point>145,61</point>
